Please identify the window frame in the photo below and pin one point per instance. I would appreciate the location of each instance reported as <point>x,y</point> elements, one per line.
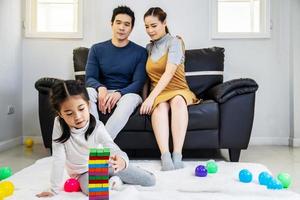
<point>31,19</point>
<point>265,21</point>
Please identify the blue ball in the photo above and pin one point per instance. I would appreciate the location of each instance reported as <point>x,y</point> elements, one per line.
<point>264,178</point>
<point>279,185</point>
<point>245,176</point>
<point>272,184</point>
<point>201,171</point>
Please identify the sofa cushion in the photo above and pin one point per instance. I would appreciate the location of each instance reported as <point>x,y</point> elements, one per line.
<point>202,116</point>
<point>204,69</point>
<point>80,56</point>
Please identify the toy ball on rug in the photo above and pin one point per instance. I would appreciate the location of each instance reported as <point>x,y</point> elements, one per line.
<point>200,171</point>
<point>245,176</point>
<point>285,179</point>
<point>264,178</point>
<point>72,185</point>
<point>211,167</point>
<point>274,184</point>
<point>6,189</point>
<point>28,142</point>
<point>5,172</point>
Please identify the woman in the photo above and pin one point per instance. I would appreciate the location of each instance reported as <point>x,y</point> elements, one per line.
<point>169,89</point>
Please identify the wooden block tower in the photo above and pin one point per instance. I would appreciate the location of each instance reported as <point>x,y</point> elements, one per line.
<point>98,174</point>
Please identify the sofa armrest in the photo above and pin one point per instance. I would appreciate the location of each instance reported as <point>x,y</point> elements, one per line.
<point>44,85</point>
<point>225,91</point>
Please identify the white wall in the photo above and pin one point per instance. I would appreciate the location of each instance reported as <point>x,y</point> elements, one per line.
<point>10,72</point>
<point>295,47</point>
<point>265,60</point>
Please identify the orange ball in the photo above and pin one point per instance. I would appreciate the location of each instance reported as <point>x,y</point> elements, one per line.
<point>28,142</point>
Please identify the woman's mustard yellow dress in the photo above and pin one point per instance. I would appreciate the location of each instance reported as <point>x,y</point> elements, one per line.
<point>177,86</point>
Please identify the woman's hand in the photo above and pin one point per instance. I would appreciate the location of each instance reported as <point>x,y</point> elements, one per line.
<point>147,106</point>
<point>45,194</point>
<point>117,163</point>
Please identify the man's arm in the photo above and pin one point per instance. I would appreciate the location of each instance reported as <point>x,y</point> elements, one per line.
<point>139,77</point>
<point>92,71</point>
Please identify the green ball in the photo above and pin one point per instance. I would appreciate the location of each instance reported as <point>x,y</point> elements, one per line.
<point>5,172</point>
<point>285,179</point>
<point>211,167</point>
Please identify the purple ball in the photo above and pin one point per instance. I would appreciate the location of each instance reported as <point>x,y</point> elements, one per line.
<point>201,171</point>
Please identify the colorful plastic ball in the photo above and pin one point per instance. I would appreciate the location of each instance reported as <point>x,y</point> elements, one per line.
<point>2,194</point>
<point>28,142</point>
<point>5,172</point>
<point>245,176</point>
<point>264,178</point>
<point>285,179</point>
<point>274,184</point>
<point>211,167</point>
<point>8,188</point>
<point>72,185</point>
<point>201,171</point>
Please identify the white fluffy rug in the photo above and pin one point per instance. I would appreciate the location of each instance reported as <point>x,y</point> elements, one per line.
<point>174,185</point>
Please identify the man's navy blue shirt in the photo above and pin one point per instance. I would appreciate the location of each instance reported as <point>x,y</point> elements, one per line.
<point>116,68</point>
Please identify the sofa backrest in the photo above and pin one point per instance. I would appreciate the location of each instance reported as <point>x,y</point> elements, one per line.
<point>204,67</point>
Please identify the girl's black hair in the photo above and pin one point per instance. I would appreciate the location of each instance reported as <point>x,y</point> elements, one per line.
<point>59,93</point>
<point>159,13</point>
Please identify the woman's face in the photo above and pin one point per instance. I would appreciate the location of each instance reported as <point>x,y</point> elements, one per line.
<point>154,27</point>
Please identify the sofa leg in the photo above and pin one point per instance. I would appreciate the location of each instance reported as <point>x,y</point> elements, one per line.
<point>234,155</point>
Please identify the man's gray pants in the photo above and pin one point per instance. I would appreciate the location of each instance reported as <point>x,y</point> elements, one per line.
<point>124,108</point>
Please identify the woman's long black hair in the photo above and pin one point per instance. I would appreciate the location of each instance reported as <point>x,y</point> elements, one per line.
<point>59,93</point>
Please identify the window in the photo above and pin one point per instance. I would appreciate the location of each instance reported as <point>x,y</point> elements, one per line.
<point>240,19</point>
<point>53,18</point>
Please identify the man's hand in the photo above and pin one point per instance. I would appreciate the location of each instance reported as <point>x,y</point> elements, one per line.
<point>102,93</point>
<point>111,100</point>
<point>147,106</point>
<point>44,194</point>
<point>117,163</point>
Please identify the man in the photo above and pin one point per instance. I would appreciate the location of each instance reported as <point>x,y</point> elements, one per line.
<point>115,72</point>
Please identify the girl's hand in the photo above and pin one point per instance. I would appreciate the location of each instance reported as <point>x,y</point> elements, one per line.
<point>45,194</point>
<point>117,163</point>
<point>147,106</point>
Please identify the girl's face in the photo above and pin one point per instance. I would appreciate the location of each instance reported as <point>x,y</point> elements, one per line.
<point>75,111</point>
<point>155,28</point>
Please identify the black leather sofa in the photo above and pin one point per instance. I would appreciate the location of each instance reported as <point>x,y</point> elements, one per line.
<point>223,121</point>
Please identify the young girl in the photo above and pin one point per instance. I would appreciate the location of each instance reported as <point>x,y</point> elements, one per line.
<point>75,132</point>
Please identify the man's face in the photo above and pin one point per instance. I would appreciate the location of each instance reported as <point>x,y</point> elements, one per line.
<point>121,27</point>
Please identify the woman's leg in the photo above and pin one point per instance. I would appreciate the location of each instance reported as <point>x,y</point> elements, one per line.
<point>84,183</point>
<point>179,122</point>
<point>136,176</point>
<point>160,125</point>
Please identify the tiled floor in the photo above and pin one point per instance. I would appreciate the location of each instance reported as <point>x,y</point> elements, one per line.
<point>275,158</point>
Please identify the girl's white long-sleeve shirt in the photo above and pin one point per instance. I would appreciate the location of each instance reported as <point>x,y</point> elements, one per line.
<point>74,153</point>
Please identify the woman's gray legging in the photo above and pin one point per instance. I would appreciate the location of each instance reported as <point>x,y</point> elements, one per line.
<point>131,175</point>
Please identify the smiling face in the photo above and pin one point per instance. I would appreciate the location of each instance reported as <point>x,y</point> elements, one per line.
<point>75,111</point>
<point>121,27</point>
<point>154,27</point>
